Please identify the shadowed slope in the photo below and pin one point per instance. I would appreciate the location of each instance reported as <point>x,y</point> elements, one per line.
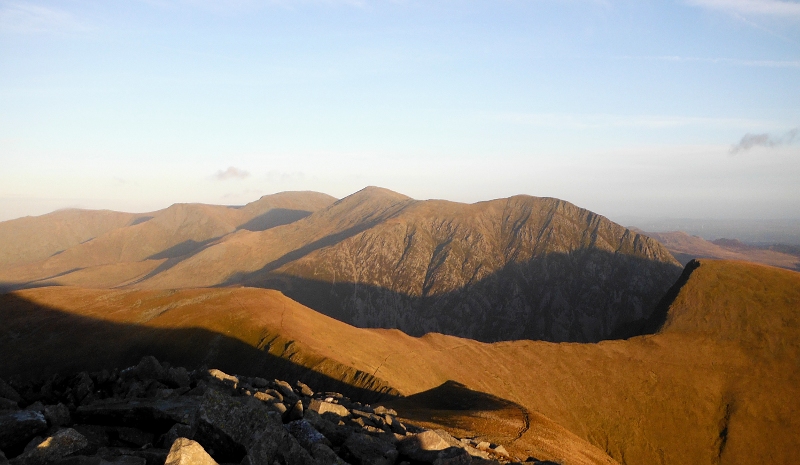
<point>522,267</point>
<point>718,384</point>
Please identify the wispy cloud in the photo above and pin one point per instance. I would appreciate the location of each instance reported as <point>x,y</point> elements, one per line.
<point>231,173</point>
<point>722,61</point>
<point>588,121</point>
<point>27,18</point>
<point>764,140</point>
<point>777,8</point>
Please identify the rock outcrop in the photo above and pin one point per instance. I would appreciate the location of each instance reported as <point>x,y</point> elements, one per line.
<point>154,414</point>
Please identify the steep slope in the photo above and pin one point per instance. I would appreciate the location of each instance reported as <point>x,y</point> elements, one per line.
<point>522,267</point>
<point>685,248</point>
<point>717,385</point>
<point>160,239</point>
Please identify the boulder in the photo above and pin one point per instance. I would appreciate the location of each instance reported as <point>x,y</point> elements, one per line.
<point>223,379</point>
<point>303,389</point>
<point>178,430</point>
<point>9,392</point>
<point>453,456</point>
<point>17,428</point>
<point>363,449</point>
<point>274,443</point>
<point>325,455</point>
<point>422,447</point>
<point>305,434</point>
<point>187,452</point>
<point>320,406</point>
<point>57,415</point>
<point>228,425</point>
<point>61,444</point>
<point>296,413</point>
<point>286,391</point>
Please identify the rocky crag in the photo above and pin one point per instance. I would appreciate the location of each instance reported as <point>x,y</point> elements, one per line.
<point>154,414</point>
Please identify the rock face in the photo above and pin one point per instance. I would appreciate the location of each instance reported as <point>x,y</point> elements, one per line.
<point>516,268</point>
<point>215,418</point>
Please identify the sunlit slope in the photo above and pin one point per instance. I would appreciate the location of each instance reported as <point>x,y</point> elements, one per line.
<point>719,384</point>
<point>35,238</point>
<point>522,267</point>
<point>158,240</point>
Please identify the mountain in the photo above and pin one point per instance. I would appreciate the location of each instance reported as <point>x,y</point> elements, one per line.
<point>127,248</point>
<point>686,248</point>
<point>522,267</point>
<point>716,384</point>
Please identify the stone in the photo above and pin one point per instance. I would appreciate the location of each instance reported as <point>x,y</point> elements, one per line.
<point>221,378</point>
<point>303,389</point>
<point>286,390</point>
<point>453,456</point>
<point>61,444</point>
<point>57,415</point>
<point>177,430</point>
<point>325,455</point>
<point>177,377</point>
<point>296,413</point>
<point>396,426</point>
<point>131,436</point>
<point>17,428</point>
<point>367,450</point>
<point>82,387</point>
<point>381,410</point>
<point>279,407</point>
<point>334,433</point>
<point>500,450</point>
<point>264,397</point>
<point>8,404</point>
<point>181,409</point>
<point>9,392</point>
<point>229,425</point>
<point>148,368</point>
<point>187,452</point>
<point>305,434</point>
<point>273,444</point>
<point>259,383</point>
<point>423,447</point>
<point>321,407</point>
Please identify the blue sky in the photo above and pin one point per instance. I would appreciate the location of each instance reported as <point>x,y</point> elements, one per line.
<point>685,109</point>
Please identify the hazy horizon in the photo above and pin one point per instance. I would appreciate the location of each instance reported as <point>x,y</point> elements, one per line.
<point>685,109</point>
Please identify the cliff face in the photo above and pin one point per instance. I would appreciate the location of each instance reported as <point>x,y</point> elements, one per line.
<point>517,268</point>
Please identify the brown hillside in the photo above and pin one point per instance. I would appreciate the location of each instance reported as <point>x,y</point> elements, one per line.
<point>522,267</point>
<point>719,383</point>
<point>158,240</point>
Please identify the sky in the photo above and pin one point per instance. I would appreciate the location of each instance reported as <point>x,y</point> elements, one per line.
<point>652,109</point>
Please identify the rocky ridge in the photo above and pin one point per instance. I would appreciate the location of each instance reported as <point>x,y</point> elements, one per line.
<point>154,414</point>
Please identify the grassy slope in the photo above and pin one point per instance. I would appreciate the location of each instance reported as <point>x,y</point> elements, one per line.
<point>719,383</point>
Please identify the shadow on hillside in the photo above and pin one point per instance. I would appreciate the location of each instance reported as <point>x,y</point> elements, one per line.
<point>37,341</point>
<point>274,218</point>
<point>584,296</point>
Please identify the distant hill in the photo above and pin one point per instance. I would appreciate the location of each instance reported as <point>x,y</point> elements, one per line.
<point>685,248</point>
<point>717,384</point>
<point>107,249</point>
<point>522,267</point>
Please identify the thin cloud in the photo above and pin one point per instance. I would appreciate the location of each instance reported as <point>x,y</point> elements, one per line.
<point>724,61</point>
<point>231,173</point>
<point>777,8</point>
<point>764,140</point>
<point>26,18</point>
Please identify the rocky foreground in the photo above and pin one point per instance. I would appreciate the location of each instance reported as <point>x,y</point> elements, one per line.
<point>154,414</point>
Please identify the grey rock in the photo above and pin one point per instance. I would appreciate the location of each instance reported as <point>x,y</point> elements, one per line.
<point>334,433</point>
<point>229,425</point>
<point>9,392</point>
<point>187,452</point>
<point>82,387</point>
<point>178,377</point>
<point>61,444</point>
<point>304,390</point>
<point>321,407</point>
<point>8,404</point>
<point>367,450</point>
<point>177,430</point>
<point>259,383</point>
<point>17,428</point>
<point>275,443</point>
<point>296,413</point>
<point>286,390</point>
<point>223,379</point>
<point>57,415</point>
<point>305,434</point>
<point>453,456</point>
<point>181,409</point>
<point>423,447</point>
<point>264,397</point>
<point>325,455</point>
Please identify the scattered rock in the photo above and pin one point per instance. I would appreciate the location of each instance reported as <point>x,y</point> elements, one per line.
<point>223,379</point>
<point>61,444</point>
<point>17,428</point>
<point>367,450</point>
<point>57,415</point>
<point>305,434</point>
<point>187,452</point>
<point>321,406</point>
<point>423,447</point>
